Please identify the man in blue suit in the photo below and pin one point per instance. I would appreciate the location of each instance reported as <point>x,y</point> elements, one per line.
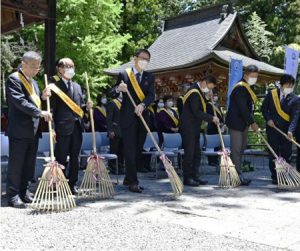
<point>280,108</point>
<point>24,113</point>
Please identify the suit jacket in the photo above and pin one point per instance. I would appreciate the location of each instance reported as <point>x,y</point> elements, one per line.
<point>100,120</point>
<point>113,118</point>
<point>240,111</point>
<point>193,113</point>
<point>290,105</point>
<point>64,118</point>
<point>23,114</point>
<point>211,127</point>
<point>165,121</point>
<point>127,114</point>
<point>180,105</point>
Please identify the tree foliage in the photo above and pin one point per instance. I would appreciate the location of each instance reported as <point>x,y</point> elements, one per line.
<point>259,37</point>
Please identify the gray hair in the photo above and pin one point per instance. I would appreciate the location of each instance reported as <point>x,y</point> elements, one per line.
<point>31,56</point>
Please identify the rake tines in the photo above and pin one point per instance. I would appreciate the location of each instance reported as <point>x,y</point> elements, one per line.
<point>53,192</point>
<point>96,182</point>
<point>175,181</point>
<point>228,174</point>
<point>287,176</point>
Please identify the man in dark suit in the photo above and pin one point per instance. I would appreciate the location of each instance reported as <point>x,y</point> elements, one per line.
<point>66,103</point>
<point>281,108</point>
<point>140,84</point>
<point>194,112</point>
<point>24,113</point>
<point>298,140</point>
<point>114,133</point>
<point>240,117</point>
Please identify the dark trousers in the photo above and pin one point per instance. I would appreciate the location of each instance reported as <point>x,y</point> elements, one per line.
<point>21,165</point>
<point>69,145</point>
<point>133,141</point>
<point>281,146</point>
<point>192,152</point>
<point>298,149</point>
<point>116,147</point>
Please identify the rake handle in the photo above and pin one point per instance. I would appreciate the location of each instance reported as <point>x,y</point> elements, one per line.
<point>49,123</point>
<point>218,126</point>
<point>267,144</point>
<point>145,124</point>
<point>284,134</point>
<point>91,113</point>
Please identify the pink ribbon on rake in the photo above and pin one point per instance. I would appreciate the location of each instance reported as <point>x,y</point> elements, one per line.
<point>281,161</point>
<point>54,164</point>
<point>96,159</point>
<point>225,153</point>
<point>165,161</point>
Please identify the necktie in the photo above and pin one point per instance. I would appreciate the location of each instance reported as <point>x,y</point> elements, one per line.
<point>282,99</point>
<point>70,91</point>
<point>138,77</point>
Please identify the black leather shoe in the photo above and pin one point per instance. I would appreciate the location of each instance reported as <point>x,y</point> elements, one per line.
<point>74,190</point>
<point>135,189</point>
<point>16,202</point>
<point>191,182</point>
<point>201,182</point>
<point>245,182</point>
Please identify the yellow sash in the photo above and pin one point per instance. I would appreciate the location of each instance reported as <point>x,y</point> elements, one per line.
<point>276,101</point>
<point>175,120</point>
<point>101,110</point>
<point>217,110</point>
<point>247,86</point>
<point>69,102</point>
<point>150,108</point>
<point>118,103</point>
<point>186,96</point>
<point>135,85</point>
<point>29,88</point>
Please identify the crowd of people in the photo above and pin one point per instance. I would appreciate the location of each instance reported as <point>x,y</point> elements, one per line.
<point>115,114</point>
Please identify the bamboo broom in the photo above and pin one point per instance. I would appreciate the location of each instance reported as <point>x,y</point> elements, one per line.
<point>53,192</point>
<point>96,181</point>
<point>228,175</point>
<point>287,176</point>
<point>175,181</point>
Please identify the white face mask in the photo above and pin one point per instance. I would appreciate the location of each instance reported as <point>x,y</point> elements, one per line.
<point>83,96</point>
<point>104,101</point>
<point>69,73</point>
<point>215,98</point>
<point>169,104</point>
<point>287,91</point>
<point>252,81</point>
<point>205,90</point>
<point>142,64</point>
<point>160,105</point>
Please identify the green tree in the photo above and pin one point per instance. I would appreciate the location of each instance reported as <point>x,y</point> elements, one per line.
<point>87,32</point>
<point>259,37</point>
<point>142,20</point>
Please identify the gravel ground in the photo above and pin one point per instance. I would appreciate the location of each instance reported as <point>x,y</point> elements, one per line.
<point>259,217</point>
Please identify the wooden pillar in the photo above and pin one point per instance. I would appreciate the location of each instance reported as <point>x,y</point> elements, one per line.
<point>50,40</point>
